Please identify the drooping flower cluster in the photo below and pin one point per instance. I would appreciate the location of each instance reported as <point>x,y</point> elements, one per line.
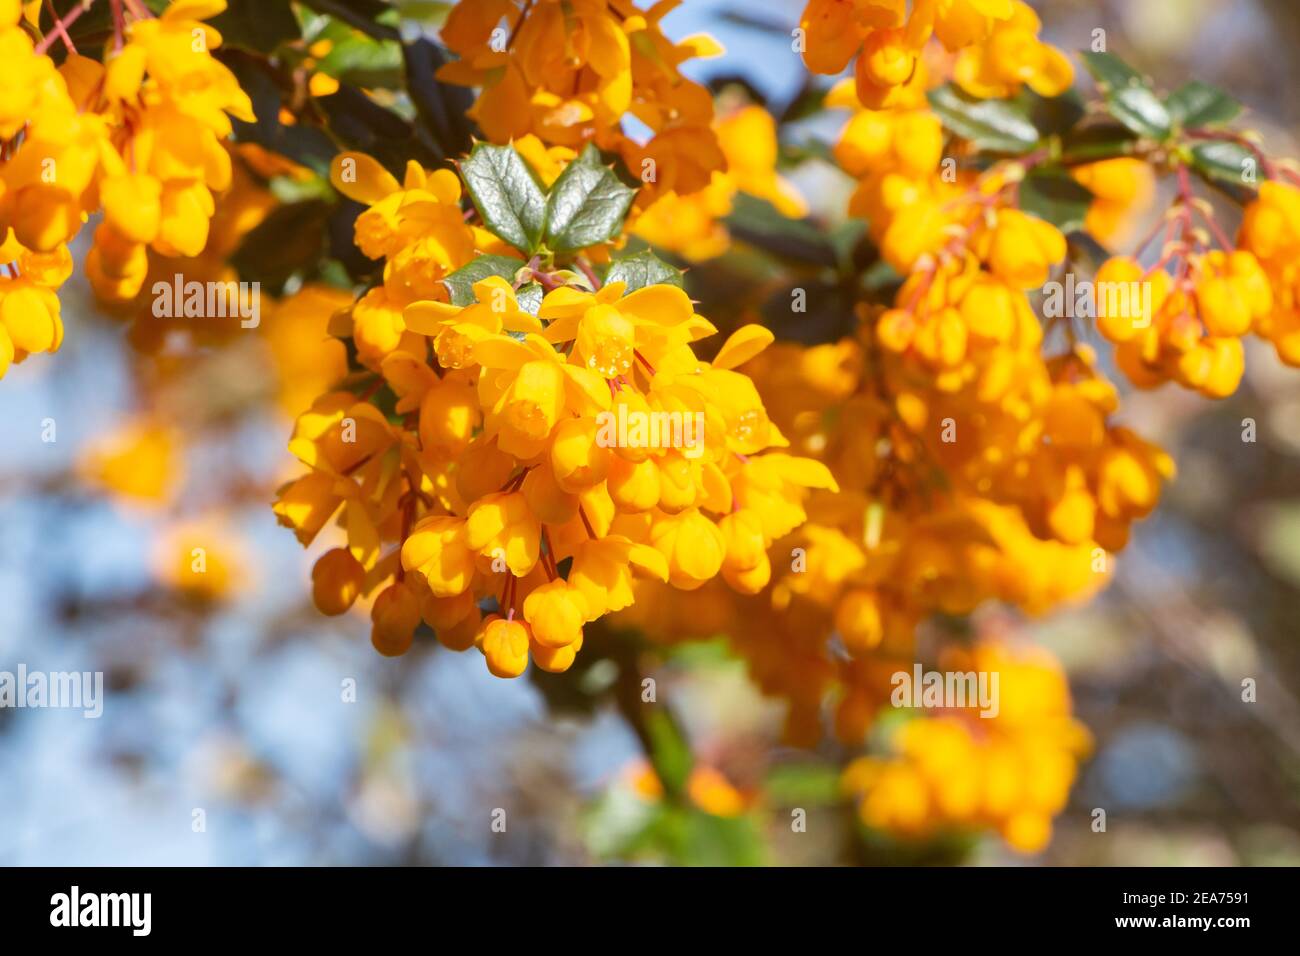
<point>530,436</point>
<point>139,136</point>
<point>973,464</point>
<point>1198,302</point>
<point>570,71</point>
<point>962,768</point>
<point>996,42</point>
<point>962,385</point>
<point>1270,230</point>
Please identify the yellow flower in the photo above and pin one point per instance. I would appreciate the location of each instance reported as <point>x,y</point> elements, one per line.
<point>556,612</point>
<point>200,560</point>
<point>505,645</point>
<point>306,504</point>
<point>555,660</point>
<point>438,550</point>
<point>395,615</point>
<point>1021,249</point>
<point>337,579</point>
<point>577,459</point>
<point>1122,189</point>
<point>602,572</point>
<point>502,525</point>
<point>692,547</point>
<point>1011,55</point>
<point>140,462</point>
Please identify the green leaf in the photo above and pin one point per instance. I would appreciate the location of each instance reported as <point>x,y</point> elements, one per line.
<point>1226,164</point>
<point>996,125</point>
<point>670,753</point>
<point>757,222</point>
<point>371,17</point>
<point>255,25</point>
<point>460,284</point>
<point>288,241</point>
<point>1051,194</point>
<point>308,145</point>
<point>440,107</point>
<point>1198,104</point>
<point>361,61</point>
<point>1095,142</point>
<point>1051,116</point>
<point>587,204</point>
<point>706,840</point>
<point>800,783</point>
<point>529,297</point>
<point>506,194</point>
<point>357,121</point>
<point>1130,97</point>
<point>643,269</point>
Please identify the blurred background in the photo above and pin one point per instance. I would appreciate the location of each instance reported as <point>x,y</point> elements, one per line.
<point>227,693</point>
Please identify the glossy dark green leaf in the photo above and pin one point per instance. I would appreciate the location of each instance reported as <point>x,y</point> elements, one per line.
<point>643,269</point>
<point>1129,96</point>
<point>1051,116</point>
<point>529,296</point>
<point>997,125</point>
<point>362,61</point>
<point>289,240</point>
<point>506,194</point>
<point>1096,142</point>
<point>1198,104</point>
<point>256,25</point>
<point>374,18</point>
<point>587,204</point>
<point>1226,164</point>
<point>358,122</point>
<point>757,222</point>
<point>308,145</point>
<point>440,107</point>
<point>460,284</point>
<point>1051,194</point>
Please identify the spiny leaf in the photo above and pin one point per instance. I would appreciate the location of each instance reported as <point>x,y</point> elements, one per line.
<point>1230,166</point>
<point>997,125</point>
<point>506,194</point>
<point>643,269</point>
<point>460,284</point>
<point>1129,96</point>
<point>587,204</point>
<point>1197,104</point>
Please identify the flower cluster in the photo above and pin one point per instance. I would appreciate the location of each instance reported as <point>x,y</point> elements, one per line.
<point>570,72</point>
<point>419,231</point>
<point>1270,230</point>
<point>545,417</point>
<point>510,421</point>
<point>140,136</point>
<point>691,224</point>
<point>960,384</point>
<point>959,769</point>
<point>996,42</point>
<point>518,451</point>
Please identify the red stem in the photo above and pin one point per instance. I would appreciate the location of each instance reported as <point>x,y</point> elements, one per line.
<point>61,27</point>
<point>58,28</point>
